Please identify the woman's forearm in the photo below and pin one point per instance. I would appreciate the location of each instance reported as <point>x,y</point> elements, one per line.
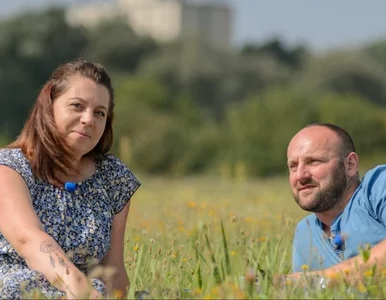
<point>43,254</point>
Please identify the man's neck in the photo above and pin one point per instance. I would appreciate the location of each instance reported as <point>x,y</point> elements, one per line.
<point>328,217</point>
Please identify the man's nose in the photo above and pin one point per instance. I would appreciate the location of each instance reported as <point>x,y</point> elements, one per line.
<point>303,172</point>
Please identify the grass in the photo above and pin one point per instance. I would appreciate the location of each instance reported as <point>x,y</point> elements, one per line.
<point>206,238</point>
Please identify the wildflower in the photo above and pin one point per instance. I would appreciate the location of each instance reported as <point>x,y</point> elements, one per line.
<point>368,273</point>
<point>197,292</point>
<point>136,247</point>
<point>191,204</point>
<point>305,267</point>
<point>361,288</point>
<point>118,294</point>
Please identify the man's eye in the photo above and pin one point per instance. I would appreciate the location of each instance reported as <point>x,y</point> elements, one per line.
<point>292,167</point>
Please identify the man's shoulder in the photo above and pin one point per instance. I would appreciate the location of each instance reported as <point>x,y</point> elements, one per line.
<point>379,170</point>
<point>374,179</point>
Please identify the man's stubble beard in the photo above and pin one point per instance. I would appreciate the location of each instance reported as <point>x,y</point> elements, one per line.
<point>327,198</point>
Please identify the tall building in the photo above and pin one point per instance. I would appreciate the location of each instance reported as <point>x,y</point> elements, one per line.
<point>164,20</point>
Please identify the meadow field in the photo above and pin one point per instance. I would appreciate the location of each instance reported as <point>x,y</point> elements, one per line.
<point>208,237</point>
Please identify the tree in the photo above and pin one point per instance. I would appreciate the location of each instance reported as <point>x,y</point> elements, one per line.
<point>293,58</point>
<point>377,51</point>
<point>260,129</point>
<point>31,46</point>
<point>346,73</point>
<point>115,45</point>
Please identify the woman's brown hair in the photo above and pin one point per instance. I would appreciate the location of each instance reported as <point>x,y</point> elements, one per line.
<point>40,140</point>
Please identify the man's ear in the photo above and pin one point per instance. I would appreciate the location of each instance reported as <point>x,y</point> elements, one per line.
<point>351,164</point>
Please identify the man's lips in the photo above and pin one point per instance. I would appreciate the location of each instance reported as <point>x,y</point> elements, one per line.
<point>306,187</point>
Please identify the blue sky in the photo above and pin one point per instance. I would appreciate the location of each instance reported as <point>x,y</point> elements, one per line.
<point>319,24</point>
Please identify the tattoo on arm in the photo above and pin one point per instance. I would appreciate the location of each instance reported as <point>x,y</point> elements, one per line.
<point>52,261</point>
<point>63,264</point>
<point>49,247</point>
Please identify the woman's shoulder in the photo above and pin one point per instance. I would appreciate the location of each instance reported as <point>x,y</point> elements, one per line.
<point>112,166</point>
<point>110,160</point>
<point>14,157</point>
<point>120,181</point>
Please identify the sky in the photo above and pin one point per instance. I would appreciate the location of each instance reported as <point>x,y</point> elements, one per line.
<point>317,24</point>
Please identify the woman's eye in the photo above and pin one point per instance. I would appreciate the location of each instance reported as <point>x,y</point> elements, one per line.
<point>101,113</point>
<point>76,105</point>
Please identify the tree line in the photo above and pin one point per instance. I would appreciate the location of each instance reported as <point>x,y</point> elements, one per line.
<point>185,107</point>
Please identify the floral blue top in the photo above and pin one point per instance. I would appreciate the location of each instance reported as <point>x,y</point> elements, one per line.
<point>79,221</point>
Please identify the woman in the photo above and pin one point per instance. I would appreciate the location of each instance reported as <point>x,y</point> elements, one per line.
<point>64,202</point>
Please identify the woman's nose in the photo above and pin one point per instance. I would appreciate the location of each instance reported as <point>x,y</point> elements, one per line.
<point>87,118</point>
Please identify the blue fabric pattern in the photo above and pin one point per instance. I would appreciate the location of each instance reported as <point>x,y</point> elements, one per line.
<point>80,221</point>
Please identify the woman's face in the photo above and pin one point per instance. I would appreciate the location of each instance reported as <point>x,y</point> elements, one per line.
<point>80,113</point>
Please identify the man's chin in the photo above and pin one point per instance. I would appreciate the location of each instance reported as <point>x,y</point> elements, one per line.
<point>306,205</point>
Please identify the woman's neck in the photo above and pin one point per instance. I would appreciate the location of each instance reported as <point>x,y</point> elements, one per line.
<point>80,170</point>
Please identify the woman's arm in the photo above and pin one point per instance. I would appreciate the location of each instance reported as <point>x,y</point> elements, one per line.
<point>114,257</point>
<point>23,230</point>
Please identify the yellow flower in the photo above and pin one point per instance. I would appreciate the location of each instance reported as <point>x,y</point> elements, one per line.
<point>118,294</point>
<point>136,247</point>
<point>304,267</point>
<point>361,288</point>
<point>233,253</point>
<point>191,204</point>
<point>368,273</point>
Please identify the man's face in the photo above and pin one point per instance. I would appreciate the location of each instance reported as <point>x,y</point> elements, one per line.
<point>317,174</point>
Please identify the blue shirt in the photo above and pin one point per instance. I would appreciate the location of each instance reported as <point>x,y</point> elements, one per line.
<point>362,222</point>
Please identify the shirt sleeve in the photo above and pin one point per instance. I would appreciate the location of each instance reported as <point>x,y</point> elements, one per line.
<point>122,184</point>
<point>374,184</point>
<point>15,159</point>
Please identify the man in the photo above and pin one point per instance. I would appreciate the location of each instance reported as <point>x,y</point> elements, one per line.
<point>348,214</point>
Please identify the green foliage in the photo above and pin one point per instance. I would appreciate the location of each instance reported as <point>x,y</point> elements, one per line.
<point>4,140</point>
<point>31,46</point>
<point>346,73</point>
<point>186,107</point>
<point>377,50</point>
<point>115,45</point>
<point>260,129</point>
<point>363,120</point>
<point>293,58</point>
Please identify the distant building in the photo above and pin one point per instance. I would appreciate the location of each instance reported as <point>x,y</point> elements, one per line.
<point>164,20</point>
